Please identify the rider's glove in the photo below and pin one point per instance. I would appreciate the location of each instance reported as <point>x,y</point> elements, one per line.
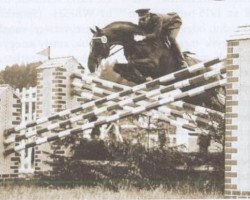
<point>139,38</point>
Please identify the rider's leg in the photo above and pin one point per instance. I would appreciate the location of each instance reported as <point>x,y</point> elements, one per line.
<point>175,46</point>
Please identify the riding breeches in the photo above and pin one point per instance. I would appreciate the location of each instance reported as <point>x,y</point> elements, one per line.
<point>171,35</point>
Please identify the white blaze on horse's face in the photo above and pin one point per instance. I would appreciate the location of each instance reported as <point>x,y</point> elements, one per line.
<point>91,45</point>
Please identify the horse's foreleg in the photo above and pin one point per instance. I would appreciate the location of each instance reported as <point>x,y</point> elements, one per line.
<point>129,72</point>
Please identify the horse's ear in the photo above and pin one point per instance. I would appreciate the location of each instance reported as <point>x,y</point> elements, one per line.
<point>92,31</point>
<point>98,30</point>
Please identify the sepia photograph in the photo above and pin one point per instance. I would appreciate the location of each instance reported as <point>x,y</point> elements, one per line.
<point>127,99</point>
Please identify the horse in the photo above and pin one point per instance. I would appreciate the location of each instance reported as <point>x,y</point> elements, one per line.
<point>146,58</point>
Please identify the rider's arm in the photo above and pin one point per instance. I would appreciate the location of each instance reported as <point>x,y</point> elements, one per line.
<point>156,27</point>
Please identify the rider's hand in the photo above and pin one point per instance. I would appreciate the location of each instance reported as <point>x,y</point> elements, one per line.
<point>139,38</point>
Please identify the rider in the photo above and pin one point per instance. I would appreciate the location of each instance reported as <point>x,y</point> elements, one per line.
<point>165,27</point>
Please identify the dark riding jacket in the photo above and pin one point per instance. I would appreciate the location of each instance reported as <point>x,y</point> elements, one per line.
<point>159,24</point>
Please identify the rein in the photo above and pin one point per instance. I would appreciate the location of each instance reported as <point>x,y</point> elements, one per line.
<point>104,40</point>
<point>115,52</point>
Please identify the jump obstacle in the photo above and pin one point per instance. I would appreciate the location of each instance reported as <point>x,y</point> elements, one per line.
<point>158,98</point>
<point>190,118</point>
<point>96,111</point>
<point>9,142</point>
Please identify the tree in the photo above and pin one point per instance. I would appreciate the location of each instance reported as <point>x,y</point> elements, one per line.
<point>19,76</point>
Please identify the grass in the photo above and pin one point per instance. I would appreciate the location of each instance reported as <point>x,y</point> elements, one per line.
<point>25,192</point>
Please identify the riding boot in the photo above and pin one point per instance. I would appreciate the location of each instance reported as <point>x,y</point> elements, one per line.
<point>178,54</point>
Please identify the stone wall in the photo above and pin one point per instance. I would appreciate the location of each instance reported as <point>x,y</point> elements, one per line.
<point>53,95</point>
<point>237,138</point>
<point>10,115</point>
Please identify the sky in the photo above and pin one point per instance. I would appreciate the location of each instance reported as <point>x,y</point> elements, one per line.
<point>29,26</point>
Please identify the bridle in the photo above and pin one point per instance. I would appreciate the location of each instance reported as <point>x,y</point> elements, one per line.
<point>104,41</point>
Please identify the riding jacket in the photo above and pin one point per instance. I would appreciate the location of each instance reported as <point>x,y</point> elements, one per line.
<point>159,24</point>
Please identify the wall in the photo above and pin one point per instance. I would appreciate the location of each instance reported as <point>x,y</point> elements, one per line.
<point>53,95</point>
<point>237,139</point>
<point>10,113</point>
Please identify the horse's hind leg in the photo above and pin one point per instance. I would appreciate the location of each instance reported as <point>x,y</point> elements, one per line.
<point>130,73</point>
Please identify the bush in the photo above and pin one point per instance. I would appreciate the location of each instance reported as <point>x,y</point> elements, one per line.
<point>113,164</point>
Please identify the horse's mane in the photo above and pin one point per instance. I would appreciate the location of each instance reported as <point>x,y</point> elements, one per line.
<point>121,23</point>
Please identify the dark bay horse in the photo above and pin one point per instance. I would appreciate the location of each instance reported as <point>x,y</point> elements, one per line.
<point>146,58</point>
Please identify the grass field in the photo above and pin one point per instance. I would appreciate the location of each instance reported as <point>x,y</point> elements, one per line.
<point>47,193</point>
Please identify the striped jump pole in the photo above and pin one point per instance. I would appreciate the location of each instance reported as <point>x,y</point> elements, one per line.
<point>165,109</point>
<point>176,122</point>
<point>197,109</point>
<point>187,82</point>
<point>170,77</point>
<point>180,104</point>
<point>114,117</point>
<point>113,85</point>
<point>121,104</point>
<point>163,79</point>
<point>183,123</point>
<point>158,115</point>
<point>190,118</point>
<point>100,91</point>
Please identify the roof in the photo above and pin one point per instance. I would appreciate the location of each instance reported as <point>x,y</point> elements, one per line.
<point>57,62</point>
<point>242,33</point>
<point>4,87</point>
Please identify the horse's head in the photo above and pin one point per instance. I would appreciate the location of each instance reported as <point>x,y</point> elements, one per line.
<point>99,48</point>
